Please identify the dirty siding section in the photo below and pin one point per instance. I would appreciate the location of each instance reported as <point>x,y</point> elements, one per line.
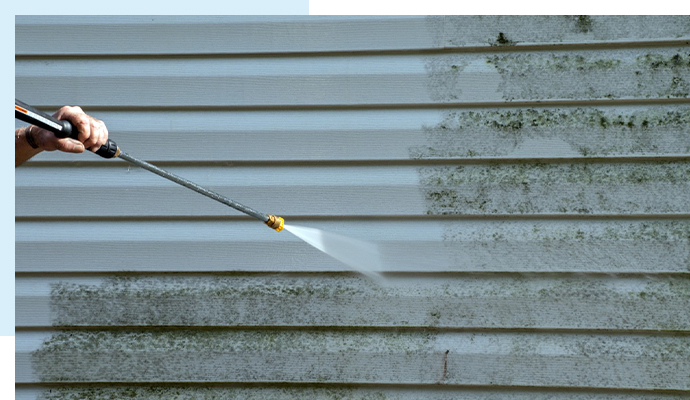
<point>526,178</point>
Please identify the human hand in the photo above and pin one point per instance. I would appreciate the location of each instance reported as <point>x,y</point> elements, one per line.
<point>92,133</point>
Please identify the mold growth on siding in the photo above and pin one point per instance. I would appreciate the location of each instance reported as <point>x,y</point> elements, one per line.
<point>429,302</point>
<point>443,77</point>
<point>589,132</point>
<point>675,67</point>
<point>222,356</point>
<point>502,40</point>
<point>213,393</point>
<point>211,300</point>
<point>363,357</point>
<point>664,245</point>
<point>469,31</point>
<point>592,75</point>
<point>221,341</point>
<point>436,25</point>
<point>679,288</point>
<point>583,23</point>
<point>672,233</point>
<point>537,188</point>
<point>357,393</point>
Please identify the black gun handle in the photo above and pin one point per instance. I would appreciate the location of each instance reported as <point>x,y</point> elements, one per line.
<point>27,113</point>
<point>61,128</point>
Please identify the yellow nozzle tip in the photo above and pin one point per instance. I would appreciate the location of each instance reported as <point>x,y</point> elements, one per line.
<point>275,223</point>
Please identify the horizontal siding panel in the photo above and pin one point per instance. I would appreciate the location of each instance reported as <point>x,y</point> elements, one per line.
<point>223,34</point>
<point>348,190</point>
<point>608,246</point>
<point>353,190</point>
<point>100,35</point>
<point>351,135</point>
<point>487,302</point>
<point>389,357</point>
<point>641,73</point>
<point>326,393</point>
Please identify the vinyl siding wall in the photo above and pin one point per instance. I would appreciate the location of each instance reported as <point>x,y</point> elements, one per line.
<point>526,178</point>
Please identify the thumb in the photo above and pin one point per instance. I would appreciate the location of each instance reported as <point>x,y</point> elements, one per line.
<point>69,145</point>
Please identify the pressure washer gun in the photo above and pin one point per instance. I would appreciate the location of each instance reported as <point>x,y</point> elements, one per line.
<point>61,128</point>
<point>64,129</point>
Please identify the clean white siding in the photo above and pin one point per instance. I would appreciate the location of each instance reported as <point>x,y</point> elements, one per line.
<point>526,178</point>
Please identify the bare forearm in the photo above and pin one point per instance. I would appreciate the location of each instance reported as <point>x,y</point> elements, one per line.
<point>22,149</point>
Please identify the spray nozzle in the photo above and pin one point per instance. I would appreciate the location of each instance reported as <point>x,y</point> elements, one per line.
<point>276,223</point>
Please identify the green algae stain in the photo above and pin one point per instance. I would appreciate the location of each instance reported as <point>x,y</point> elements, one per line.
<point>680,288</point>
<point>671,72</point>
<point>654,61</point>
<point>590,132</point>
<point>164,355</point>
<point>592,75</point>
<point>564,75</point>
<point>584,23</point>
<point>502,40</point>
<point>672,232</point>
<point>555,76</point>
<point>443,77</point>
<point>534,188</point>
<point>194,300</point>
<point>522,65</point>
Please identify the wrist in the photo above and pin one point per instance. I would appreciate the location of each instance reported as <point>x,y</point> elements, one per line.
<point>22,148</point>
<point>30,137</point>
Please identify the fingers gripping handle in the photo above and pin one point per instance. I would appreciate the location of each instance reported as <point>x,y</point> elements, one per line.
<point>108,150</point>
<point>61,128</point>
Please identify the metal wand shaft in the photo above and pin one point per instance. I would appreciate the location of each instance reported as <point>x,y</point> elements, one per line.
<point>191,185</point>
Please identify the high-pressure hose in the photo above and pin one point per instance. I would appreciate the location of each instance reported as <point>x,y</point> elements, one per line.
<point>62,129</point>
